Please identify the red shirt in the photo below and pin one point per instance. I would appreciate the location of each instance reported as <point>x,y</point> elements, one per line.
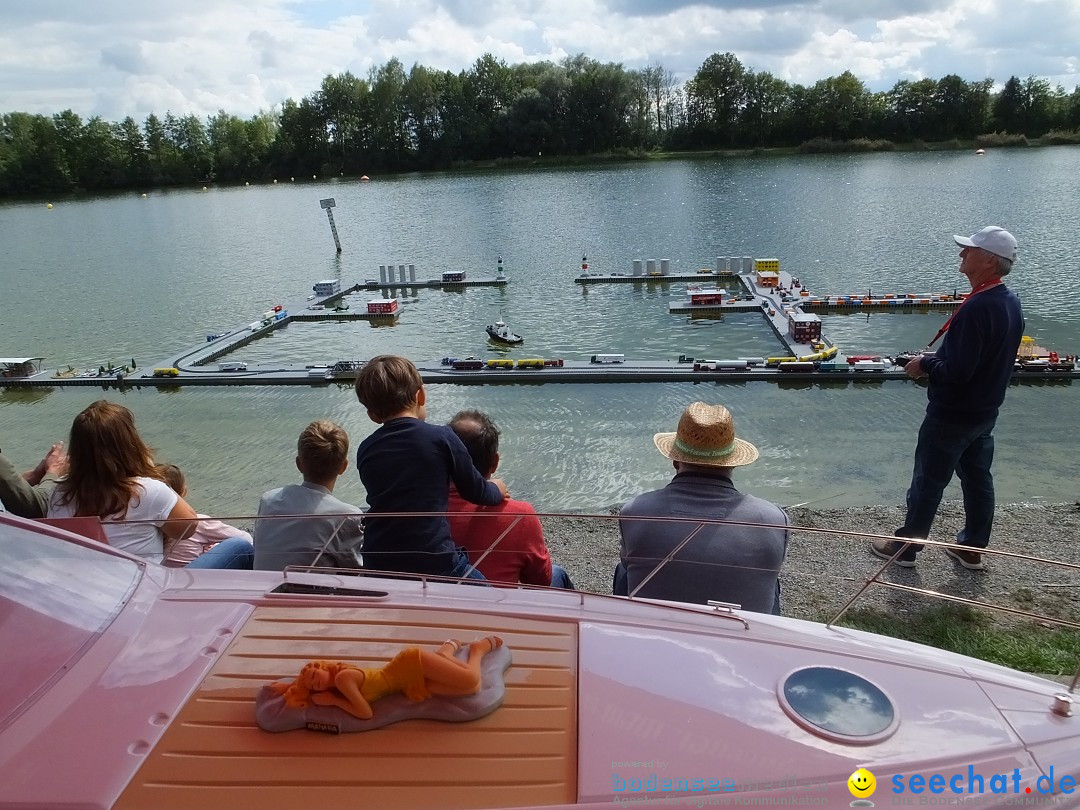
<point>521,556</point>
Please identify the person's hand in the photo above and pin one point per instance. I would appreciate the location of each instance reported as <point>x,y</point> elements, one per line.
<point>914,368</point>
<point>322,699</point>
<point>56,460</point>
<point>55,463</point>
<point>502,487</point>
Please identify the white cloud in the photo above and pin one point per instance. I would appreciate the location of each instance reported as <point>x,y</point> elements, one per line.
<point>119,57</point>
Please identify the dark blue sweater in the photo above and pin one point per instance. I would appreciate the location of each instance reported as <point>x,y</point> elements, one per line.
<point>407,466</point>
<point>971,369</point>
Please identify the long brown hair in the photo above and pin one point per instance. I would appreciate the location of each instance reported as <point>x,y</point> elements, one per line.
<point>105,454</point>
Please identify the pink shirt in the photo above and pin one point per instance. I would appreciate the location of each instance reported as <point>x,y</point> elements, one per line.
<point>210,532</point>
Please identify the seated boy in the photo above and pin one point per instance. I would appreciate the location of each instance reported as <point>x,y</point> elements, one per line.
<point>331,536</point>
<point>407,465</point>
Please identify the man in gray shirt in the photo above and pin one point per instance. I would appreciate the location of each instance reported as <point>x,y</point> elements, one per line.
<point>314,527</point>
<point>723,559</point>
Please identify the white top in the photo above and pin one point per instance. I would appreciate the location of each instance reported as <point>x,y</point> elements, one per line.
<point>154,501</point>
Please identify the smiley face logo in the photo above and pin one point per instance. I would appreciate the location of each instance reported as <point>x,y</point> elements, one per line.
<point>862,784</point>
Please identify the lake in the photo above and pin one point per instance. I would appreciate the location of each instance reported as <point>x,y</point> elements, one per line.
<point>121,277</point>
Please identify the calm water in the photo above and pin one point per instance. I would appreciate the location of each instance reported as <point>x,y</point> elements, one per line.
<point>125,277</point>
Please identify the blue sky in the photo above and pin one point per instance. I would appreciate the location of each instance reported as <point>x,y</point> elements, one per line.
<point>120,57</point>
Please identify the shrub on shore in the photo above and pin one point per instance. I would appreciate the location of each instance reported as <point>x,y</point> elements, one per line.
<point>1000,139</point>
<point>829,146</point>
<point>1058,137</point>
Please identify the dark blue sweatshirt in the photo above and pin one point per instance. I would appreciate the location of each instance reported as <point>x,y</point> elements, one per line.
<point>970,371</point>
<point>407,466</point>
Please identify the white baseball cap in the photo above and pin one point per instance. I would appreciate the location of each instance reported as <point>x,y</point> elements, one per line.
<point>993,240</point>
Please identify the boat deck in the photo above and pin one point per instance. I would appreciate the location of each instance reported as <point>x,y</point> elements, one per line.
<point>524,753</point>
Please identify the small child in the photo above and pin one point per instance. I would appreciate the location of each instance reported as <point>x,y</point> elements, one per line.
<point>314,527</point>
<point>407,465</point>
<point>208,533</point>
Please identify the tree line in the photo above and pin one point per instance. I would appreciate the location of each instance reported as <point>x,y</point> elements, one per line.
<point>423,119</point>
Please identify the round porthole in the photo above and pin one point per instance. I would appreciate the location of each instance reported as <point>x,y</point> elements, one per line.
<point>838,705</point>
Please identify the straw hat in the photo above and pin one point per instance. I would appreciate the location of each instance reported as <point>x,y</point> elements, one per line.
<point>706,435</point>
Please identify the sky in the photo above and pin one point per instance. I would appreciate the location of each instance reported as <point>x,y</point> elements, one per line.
<point>114,58</point>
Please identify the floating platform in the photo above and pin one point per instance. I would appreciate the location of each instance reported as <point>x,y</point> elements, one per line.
<point>572,371</point>
<point>908,303</point>
<point>482,281</point>
<point>344,315</point>
<point>688,308</point>
<point>629,278</point>
<point>653,270</point>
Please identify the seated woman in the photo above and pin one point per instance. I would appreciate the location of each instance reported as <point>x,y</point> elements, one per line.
<point>111,475</point>
<point>416,673</point>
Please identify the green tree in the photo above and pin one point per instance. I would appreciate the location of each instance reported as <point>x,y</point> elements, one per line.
<point>767,99</point>
<point>529,122</point>
<point>100,163</point>
<point>719,95</point>
<point>302,144</point>
<point>912,111</point>
<point>660,84</point>
<point>599,104</point>
<point>423,124</point>
<point>166,162</point>
<point>1009,107</point>
<point>390,131</point>
<point>346,106</point>
<point>842,104</point>
<point>192,140</point>
<point>1072,115</point>
<point>135,156</point>
<point>32,159</point>
<point>1037,106</point>
<point>229,146</point>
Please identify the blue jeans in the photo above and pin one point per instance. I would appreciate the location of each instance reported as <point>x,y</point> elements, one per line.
<point>945,448</point>
<point>620,586</point>
<point>560,578</point>
<point>236,553</point>
<point>463,568</point>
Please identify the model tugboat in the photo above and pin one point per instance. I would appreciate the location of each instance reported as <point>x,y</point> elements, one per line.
<point>501,333</point>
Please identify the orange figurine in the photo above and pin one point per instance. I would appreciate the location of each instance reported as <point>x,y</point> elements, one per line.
<point>416,673</point>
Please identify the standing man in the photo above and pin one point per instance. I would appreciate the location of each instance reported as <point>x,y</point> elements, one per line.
<point>733,554</point>
<point>967,379</point>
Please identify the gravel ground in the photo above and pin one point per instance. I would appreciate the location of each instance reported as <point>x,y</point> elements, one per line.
<point>825,566</point>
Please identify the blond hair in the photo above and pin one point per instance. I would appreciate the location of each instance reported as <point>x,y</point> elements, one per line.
<point>322,448</point>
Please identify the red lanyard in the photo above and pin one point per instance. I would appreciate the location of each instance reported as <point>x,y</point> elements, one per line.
<point>986,285</point>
